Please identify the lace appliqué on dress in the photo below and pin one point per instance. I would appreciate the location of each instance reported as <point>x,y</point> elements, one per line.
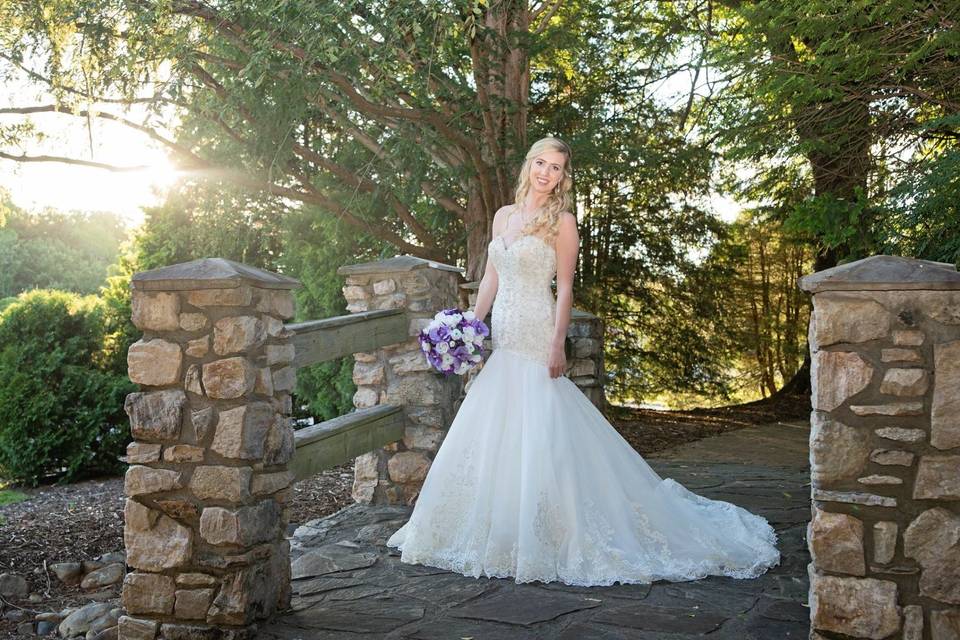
<point>524,309</point>
<point>532,482</point>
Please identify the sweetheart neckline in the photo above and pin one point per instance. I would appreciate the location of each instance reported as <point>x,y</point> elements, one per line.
<point>507,247</point>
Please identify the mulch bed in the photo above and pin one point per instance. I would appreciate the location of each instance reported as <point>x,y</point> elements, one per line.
<point>61,523</point>
<point>650,431</point>
<point>80,521</point>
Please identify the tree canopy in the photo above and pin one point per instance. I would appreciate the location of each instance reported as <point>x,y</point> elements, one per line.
<point>55,250</point>
<point>318,133</point>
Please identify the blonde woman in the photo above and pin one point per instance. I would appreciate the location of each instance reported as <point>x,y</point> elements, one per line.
<point>531,481</point>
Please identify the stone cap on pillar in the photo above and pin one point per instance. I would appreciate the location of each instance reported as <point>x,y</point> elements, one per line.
<point>580,314</point>
<point>395,264</point>
<point>209,273</point>
<point>883,273</point>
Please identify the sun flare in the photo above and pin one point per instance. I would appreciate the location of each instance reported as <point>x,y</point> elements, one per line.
<point>78,188</point>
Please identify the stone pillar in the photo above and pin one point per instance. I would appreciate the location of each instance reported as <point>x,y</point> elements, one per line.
<point>400,375</point>
<point>206,488</point>
<point>584,347</point>
<point>585,355</point>
<point>885,450</point>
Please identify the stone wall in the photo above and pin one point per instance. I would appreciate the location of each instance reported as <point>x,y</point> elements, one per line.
<point>400,375</point>
<point>584,348</point>
<point>885,450</point>
<point>207,484</point>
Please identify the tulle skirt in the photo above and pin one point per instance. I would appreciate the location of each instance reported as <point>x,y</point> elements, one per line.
<point>533,483</point>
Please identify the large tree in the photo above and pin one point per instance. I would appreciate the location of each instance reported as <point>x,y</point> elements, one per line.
<point>863,95</point>
<point>863,92</point>
<point>389,116</point>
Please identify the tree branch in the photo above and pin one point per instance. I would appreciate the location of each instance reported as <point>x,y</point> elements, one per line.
<point>547,14</point>
<point>73,161</point>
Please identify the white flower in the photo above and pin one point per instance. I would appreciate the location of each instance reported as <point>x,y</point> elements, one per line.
<point>469,333</point>
<point>425,346</point>
<point>476,357</point>
<point>439,316</point>
<point>447,360</point>
<point>452,320</point>
<point>462,369</point>
<point>456,334</point>
<point>478,339</point>
<point>469,314</point>
<point>469,347</point>
<point>442,348</point>
<point>452,343</point>
<point>434,324</point>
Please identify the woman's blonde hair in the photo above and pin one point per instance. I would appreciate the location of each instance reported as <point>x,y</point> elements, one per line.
<point>559,199</point>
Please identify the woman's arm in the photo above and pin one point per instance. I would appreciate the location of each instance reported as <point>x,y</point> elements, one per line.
<point>487,291</point>
<point>490,281</point>
<point>567,247</point>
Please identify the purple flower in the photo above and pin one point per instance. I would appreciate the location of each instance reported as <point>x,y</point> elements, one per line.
<point>439,334</point>
<point>456,357</point>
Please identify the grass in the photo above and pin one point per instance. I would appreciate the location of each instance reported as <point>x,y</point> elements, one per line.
<point>9,496</point>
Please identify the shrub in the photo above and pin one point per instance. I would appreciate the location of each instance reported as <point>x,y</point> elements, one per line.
<point>61,408</point>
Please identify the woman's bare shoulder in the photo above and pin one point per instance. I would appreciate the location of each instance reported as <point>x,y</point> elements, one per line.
<point>500,216</point>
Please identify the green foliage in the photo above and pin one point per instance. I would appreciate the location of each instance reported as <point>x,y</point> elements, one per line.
<point>924,220</point>
<point>207,220</point>
<point>61,408</point>
<point>119,331</point>
<point>863,93</point>
<point>9,496</point>
<point>201,220</point>
<point>639,179</point>
<point>53,250</point>
<point>314,248</point>
<point>765,314</point>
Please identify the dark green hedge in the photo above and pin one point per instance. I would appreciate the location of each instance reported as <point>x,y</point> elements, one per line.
<point>61,407</point>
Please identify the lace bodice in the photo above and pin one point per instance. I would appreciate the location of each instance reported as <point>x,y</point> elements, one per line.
<point>524,309</point>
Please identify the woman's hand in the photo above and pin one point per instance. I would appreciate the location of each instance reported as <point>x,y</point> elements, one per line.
<point>558,360</point>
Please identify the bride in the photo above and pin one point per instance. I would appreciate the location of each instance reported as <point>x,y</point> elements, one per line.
<point>531,481</point>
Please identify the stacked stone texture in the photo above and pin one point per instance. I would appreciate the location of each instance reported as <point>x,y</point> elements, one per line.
<point>885,450</point>
<point>207,484</point>
<point>585,365</point>
<point>400,375</point>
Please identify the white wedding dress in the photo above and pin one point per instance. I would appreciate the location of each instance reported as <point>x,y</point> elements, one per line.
<point>532,482</point>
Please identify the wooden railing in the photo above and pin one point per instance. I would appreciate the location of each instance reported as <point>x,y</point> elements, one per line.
<point>334,442</point>
<point>322,340</point>
<point>214,452</point>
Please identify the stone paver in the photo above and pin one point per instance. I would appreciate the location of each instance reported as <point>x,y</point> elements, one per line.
<point>342,594</point>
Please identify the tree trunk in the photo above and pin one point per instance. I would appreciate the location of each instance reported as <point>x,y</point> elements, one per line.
<point>502,75</point>
<point>478,224</point>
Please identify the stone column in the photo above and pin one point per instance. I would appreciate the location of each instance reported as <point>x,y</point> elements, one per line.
<point>400,375</point>
<point>584,348</point>
<point>885,450</point>
<point>206,488</point>
<point>585,355</point>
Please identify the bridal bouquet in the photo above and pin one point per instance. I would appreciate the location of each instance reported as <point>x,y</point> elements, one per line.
<point>453,341</point>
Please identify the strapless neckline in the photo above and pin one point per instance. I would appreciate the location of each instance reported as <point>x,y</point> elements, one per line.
<point>507,247</point>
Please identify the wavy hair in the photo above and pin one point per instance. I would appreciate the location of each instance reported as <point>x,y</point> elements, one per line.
<point>559,199</point>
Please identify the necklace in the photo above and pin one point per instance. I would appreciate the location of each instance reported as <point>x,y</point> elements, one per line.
<point>523,221</point>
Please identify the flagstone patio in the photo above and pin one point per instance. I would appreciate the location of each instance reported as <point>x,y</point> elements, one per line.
<point>348,585</point>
